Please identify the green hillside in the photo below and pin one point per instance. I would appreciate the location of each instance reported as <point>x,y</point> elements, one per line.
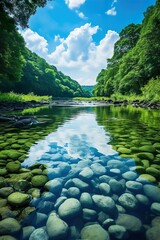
<point>22,71</point>
<point>135,60</point>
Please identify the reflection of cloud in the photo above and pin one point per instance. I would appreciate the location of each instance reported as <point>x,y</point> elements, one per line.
<point>80,138</point>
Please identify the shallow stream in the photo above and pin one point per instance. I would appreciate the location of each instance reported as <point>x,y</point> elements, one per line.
<point>81,173</point>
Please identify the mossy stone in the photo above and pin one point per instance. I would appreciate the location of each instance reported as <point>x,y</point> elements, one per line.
<point>157,166</point>
<point>140,169</point>
<point>3,171</point>
<point>35,192</point>
<point>9,226</point>
<point>147,148</point>
<point>12,154</point>
<point>3,156</point>
<point>21,141</point>
<point>36,171</point>
<point>18,199</point>
<point>3,145</point>
<point>22,158</point>
<point>153,171</point>
<point>156,146</point>
<point>145,155</point>
<point>22,185</point>
<point>16,177</point>
<point>15,146</point>
<point>124,150</point>
<point>39,180</point>
<point>146,163</point>
<point>148,178</point>
<point>13,167</point>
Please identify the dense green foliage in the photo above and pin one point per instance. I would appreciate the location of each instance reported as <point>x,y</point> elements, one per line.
<point>21,70</point>
<point>88,90</point>
<point>11,50</point>
<point>42,79</point>
<point>21,10</point>
<point>136,58</point>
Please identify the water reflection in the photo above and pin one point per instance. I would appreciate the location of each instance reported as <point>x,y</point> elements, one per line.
<point>92,173</point>
<point>80,138</point>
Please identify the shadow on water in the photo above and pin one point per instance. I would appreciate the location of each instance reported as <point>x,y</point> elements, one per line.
<point>89,173</point>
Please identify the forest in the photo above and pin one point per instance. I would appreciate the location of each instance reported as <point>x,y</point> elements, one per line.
<point>21,70</point>
<point>135,65</point>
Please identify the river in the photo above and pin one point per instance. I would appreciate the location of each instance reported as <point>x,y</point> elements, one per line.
<point>89,172</point>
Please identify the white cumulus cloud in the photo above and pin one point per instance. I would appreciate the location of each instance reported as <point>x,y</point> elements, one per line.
<point>35,42</point>
<point>77,55</point>
<point>74,3</point>
<point>112,12</point>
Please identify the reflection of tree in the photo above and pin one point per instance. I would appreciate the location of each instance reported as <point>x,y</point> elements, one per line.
<point>50,119</point>
<point>135,133</point>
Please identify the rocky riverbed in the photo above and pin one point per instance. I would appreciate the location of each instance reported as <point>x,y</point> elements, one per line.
<point>62,197</point>
<point>99,198</point>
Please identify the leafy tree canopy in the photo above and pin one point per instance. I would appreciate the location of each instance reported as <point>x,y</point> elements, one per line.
<point>136,57</point>
<point>21,10</point>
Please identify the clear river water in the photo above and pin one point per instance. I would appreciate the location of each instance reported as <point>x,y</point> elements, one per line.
<point>81,172</point>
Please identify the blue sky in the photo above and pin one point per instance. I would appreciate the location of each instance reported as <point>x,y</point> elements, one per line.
<point>77,36</point>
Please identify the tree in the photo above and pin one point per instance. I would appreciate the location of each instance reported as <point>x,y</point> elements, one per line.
<point>12,48</point>
<point>21,10</point>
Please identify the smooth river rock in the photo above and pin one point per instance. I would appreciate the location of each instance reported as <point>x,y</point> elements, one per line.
<point>105,204</point>
<point>118,232</point>
<point>9,226</point>
<point>69,208</point>
<point>153,192</point>
<point>128,201</point>
<point>94,232</point>
<point>39,234</point>
<point>56,227</point>
<point>131,223</point>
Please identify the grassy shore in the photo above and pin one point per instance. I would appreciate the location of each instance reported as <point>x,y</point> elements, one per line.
<point>14,97</point>
<point>119,97</point>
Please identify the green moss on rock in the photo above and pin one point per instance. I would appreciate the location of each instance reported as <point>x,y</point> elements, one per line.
<point>39,180</point>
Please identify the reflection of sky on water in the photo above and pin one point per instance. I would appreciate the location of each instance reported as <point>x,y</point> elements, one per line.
<point>79,138</point>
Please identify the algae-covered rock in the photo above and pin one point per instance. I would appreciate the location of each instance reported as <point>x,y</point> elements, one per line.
<point>11,153</point>
<point>13,167</point>
<point>9,226</point>
<point>36,171</point>
<point>15,146</point>
<point>3,171</point>
<point>145,155</point>
<point>19,199</point>
<point>22,185</point>
<point>7,237</point>
<point>5,191</point>
<point>147,148</point>
<point>153,171</point>
<point>16,177</point>
<point>146,178</point>
<point>39,180</point>
<point>124,150</point>
<point>157,146</point>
